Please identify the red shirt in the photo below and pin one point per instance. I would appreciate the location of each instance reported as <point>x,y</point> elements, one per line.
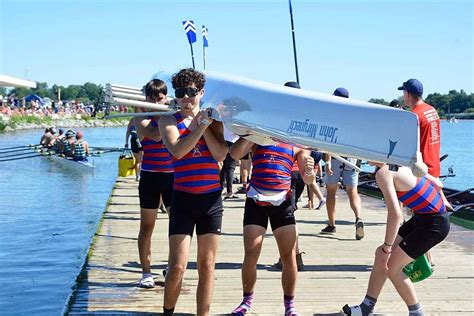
<point>430,137</point>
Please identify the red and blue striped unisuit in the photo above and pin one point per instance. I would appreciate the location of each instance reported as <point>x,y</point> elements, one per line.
<point>197,172</point>
<point>156,158</point>
<point>423,198</point>
<point>272,168</point>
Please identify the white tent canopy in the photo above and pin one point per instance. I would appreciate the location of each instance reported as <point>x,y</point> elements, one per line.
<point>8,81</point>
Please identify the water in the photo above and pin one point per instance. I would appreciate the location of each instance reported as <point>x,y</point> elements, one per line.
<point>49,213</point>
<point>457,140</point>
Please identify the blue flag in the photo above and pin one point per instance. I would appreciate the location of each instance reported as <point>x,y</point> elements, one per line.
<point>205,43</point>
<point>190,30</point>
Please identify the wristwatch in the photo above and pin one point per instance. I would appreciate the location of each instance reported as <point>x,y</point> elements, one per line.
<point>205,122</point>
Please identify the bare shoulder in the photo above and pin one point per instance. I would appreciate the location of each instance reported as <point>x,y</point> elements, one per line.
<point>167,120</point>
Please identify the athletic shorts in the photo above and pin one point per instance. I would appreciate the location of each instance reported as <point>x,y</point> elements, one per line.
<point>153,185</point>
<point>422,232</point>
<point>201,210</point>
<point>350,177</point>
<point>297,187</point>
<point>279,216</point>
<point>135,145</point>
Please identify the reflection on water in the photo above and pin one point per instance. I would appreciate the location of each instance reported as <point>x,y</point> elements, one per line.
<point>49,213</point>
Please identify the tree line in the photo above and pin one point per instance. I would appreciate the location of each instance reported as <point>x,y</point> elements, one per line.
<point>453,102</point>
<point>86,93</point>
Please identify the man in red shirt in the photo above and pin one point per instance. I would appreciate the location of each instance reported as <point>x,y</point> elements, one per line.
<point>430,132</point>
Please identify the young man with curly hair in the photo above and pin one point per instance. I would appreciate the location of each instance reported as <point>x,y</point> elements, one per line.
<point>197,144</point>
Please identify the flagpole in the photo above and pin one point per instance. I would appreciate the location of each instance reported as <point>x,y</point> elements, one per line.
<point>192,55</point>
<point>294,43</point>
<point>204,56</point>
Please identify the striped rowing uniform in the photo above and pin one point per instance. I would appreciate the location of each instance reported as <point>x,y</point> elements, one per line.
<point>79,152</point>
<point>156,158</point>
<point>272,166</point>
<point>424,198</point>
<point>67,147</point>
<point>197,172</point>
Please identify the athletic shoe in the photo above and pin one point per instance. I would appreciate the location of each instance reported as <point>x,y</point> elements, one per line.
<point>359,229</point>
<point>147,281</point>
<point>291,311</point>
<point>353,310</point>
<point>328,230</point>
<point>321,204</point>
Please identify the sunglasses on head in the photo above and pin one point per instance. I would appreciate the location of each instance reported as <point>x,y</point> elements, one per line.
<point>190,92</point>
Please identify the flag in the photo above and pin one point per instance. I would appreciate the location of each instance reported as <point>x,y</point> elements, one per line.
<point>205,43</point>
<point>190,30</point>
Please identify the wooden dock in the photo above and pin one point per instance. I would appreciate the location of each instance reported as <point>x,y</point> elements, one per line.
<point>336,271</point>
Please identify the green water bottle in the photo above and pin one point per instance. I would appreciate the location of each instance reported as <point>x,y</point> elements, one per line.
<point>419,269</point>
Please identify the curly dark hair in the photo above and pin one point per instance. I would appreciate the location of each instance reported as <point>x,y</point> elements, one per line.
<point>186,77</point>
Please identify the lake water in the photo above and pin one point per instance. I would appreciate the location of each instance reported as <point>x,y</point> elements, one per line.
<point>50,212</point>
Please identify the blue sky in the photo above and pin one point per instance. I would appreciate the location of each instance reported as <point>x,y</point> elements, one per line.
<point>369,47</point>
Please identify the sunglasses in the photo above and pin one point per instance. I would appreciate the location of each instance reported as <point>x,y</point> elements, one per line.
<point>190,92</point>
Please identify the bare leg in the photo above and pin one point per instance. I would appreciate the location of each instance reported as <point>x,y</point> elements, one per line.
<point>331,203</point>
<point>398,260</point>
<point>379,275</point>
<point>286,239</point>
<point>253,241</point>
<point>177,262</point>
<point>206,260</point>
<point>354,200</point>
<point>147,224</point>
<point>245,166</point>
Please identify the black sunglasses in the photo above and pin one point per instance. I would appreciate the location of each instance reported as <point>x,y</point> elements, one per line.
<point>190,92</point>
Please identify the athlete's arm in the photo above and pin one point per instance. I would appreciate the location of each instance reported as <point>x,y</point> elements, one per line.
<point>435,181</point>
<point>127,134</point>
<point>305,165</point>
<point>384,179</point>
<point>327,160</point>
<point>214,137</point>
<point>86,148</point>
<point>176,146</point>
<point>240,148</point>
<point>146,129</point>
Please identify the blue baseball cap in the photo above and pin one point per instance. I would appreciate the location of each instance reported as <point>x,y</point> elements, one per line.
<point>341,92</point>
<point>413,86</point>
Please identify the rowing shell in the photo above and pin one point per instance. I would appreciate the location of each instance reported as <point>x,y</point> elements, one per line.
<point>71,163</point>
<point>267,113</point>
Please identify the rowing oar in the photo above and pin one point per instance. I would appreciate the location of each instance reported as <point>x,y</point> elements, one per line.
<point>18,147</point>
<point>17,154</point>
<point>98,148</point>
<point>19,158</point>
<point>19,150</point>
<point>138,114</point>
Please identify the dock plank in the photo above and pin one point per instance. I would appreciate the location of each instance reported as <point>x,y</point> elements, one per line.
<point>337,267</point>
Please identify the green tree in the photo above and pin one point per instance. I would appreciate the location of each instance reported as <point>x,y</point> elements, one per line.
<point>379,101</point>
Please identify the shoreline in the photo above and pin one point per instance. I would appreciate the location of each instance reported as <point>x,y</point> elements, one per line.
<point>24,123</point>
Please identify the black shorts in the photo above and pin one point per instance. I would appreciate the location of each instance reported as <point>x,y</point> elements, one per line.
<point>281,215</point>
<point>297,187</point>
<point>423,232</point>
<point>201,210</point>
<point>153,185</point>
<point>135,145</point>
